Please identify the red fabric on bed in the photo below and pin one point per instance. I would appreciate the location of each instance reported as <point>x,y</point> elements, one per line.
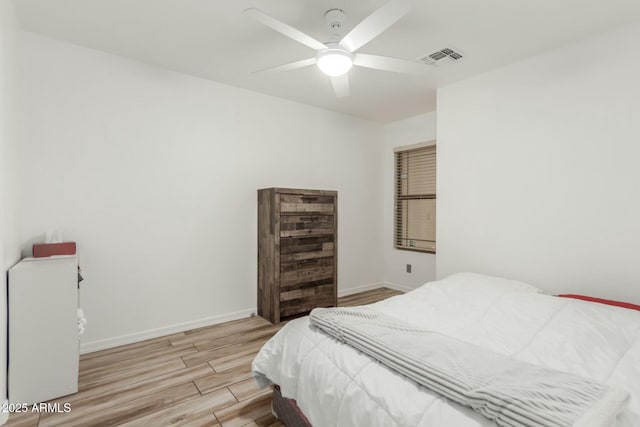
<point>602,301</point>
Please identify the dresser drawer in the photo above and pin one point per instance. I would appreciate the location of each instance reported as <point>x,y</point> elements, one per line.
<point>306,203</point>
<point>321,296</point>
<point>301,293</point>
<point>306,225</point>
<point>302,272</point>
<point>303,248</point>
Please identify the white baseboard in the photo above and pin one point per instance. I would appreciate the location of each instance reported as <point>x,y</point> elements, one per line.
<point>358,289</point>
<point>371,286</point>
<point>397,287</point>
<point>88,347</point>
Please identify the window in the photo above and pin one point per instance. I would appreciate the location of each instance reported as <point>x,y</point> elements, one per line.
<point>415,198</point>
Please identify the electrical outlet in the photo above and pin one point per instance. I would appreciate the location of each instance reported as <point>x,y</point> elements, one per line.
<point>408,268</point>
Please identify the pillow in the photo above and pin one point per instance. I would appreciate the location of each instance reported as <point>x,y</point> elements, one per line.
<point>602,301</point>
<point>481,281</point>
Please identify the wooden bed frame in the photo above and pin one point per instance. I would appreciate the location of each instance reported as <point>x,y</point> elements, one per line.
<point>287,410</point>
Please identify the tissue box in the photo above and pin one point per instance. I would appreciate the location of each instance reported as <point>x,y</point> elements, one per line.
<point>49,249</point>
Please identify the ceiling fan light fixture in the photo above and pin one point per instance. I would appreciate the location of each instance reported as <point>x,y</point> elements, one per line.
<point>335,62</point>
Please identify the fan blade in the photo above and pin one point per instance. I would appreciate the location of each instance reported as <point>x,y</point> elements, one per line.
<point>289,66</point>
<point>341,85</point>
<point>386,63</point>
<point>285,29</point>
<point>374,24</point>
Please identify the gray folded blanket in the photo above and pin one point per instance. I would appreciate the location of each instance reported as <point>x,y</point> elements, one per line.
<point>506,390</point>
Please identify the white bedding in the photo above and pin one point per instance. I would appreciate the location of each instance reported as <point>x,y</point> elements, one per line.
<point>335,385</point>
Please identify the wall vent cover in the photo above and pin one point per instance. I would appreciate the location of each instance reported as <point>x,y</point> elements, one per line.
<point>442,56</point>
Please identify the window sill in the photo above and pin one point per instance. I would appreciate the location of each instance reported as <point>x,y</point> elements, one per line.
<point>424,251</point>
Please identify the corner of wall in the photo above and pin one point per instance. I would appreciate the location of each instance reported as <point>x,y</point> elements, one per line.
<point>412,130</point>
<point>9,170</point>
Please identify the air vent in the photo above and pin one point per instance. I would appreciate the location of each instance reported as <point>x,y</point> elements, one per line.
<point>442,56</point>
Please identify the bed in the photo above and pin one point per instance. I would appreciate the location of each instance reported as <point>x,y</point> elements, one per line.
<point>332,384</point>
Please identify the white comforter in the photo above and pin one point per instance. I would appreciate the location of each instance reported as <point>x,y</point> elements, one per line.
<point>335,385</point>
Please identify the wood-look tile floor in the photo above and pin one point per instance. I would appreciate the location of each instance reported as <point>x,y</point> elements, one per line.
<point>196,378</point>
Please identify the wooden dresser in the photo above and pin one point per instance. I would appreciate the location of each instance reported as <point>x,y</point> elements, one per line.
<point>297,251</point>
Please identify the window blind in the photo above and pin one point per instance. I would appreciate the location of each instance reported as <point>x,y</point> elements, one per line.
<point>415,199</point>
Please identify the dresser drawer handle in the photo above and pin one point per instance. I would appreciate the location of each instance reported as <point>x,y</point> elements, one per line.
<point>309,218</point>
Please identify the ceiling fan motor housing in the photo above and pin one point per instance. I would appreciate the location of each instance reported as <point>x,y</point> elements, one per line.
<point>335,18</point>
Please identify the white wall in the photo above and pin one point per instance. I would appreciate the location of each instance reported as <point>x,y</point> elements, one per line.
<point>421,128</point>
<point>9,170</point>
<point>538,175</point>
<point>155,173</point>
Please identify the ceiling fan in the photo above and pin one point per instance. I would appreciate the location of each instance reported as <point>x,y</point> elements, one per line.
<point>336,57</point>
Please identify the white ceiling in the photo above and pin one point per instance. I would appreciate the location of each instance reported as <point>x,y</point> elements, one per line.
<point>214,40</point>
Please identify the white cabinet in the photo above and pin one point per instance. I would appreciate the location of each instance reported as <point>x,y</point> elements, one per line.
<point>43,333</point>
